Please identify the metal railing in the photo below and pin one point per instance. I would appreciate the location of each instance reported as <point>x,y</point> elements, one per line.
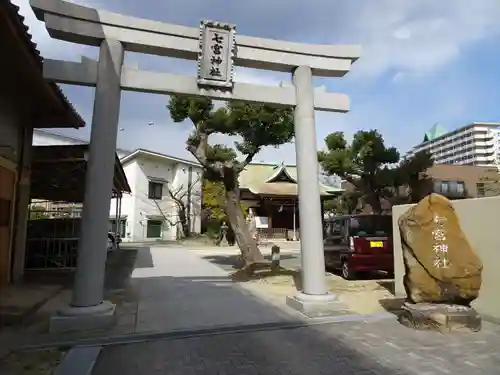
<point>52,236</point>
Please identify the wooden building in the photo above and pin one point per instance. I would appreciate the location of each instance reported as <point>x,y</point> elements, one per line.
<point>270,191</point>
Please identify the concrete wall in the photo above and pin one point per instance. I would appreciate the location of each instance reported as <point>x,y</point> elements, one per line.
<point>147,209</point>
<point>479,218</point>
<point>181,182</point>
<point>45,138</point>
<point>138,208</point>
<point>127,211</point>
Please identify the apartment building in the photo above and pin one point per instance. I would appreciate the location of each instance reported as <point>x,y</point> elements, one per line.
<point>474,144</point>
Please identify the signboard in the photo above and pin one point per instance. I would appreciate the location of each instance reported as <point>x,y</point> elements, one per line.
<point>262,222</point>
<point>215,58</point>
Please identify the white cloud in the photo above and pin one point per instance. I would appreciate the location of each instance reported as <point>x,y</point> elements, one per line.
<point>418,36</point>
<point>407,36</point>
<point>408,39</point>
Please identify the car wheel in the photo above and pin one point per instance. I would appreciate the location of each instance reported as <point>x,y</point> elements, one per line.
<point>347,273</point>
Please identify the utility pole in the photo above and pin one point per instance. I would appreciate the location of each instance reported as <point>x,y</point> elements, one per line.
<point>188,210</point>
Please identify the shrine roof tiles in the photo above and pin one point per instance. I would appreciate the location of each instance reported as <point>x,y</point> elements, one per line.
<point>276,179</point>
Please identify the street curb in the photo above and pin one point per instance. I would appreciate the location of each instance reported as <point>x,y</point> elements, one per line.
<point>135,338</point>
<point>79,361</point>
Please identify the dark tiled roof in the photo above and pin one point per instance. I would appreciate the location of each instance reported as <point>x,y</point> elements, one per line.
<point>13,12</point>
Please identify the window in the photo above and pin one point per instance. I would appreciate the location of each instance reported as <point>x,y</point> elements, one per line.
<point>371,225</point>
<point>444,187</point>
<point>451,188</point>
<point>153,229</point>
<point>155,190</point>
<point>334,231</point>
<point>481,191</point>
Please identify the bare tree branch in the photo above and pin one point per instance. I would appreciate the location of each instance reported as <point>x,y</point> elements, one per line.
<point>165,216</point>
<point>242,165</point>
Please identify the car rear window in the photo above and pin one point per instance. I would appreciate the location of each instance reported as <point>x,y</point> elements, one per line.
<point>370,226</point>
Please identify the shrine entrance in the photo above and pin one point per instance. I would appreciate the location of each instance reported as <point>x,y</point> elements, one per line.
<point>217,49</point>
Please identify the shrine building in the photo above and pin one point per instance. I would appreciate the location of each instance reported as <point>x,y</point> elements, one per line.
<point>270,191</point>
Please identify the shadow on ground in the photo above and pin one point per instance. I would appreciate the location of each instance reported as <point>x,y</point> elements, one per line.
<point>392,305</point>
<point>242,276</point>
<point>42,292</point>
<point>387,284</point>
<point>219,328</point>
<point>235,260</point>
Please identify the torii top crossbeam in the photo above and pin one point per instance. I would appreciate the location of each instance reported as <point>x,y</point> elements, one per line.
<point>84,25</point>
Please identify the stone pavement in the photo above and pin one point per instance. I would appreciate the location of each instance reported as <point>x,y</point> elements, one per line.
<point>179,290</point>
<point>375,348</point>
<point>197,296</point>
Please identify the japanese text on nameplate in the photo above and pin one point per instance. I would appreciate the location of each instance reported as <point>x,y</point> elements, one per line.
<point>215,61</point>
<point>440,247</point>
<point>441,262</point>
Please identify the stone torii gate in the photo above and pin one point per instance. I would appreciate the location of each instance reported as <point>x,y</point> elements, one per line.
<point>217,49</point>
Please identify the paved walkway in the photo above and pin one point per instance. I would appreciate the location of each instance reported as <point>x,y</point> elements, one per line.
<point>377,348</point>
<point>180,290</point>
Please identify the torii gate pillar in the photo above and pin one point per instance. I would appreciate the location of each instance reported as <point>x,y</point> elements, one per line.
<point>217,49</point>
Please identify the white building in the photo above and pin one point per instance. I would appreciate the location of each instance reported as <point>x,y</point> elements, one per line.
<point>150,213</point>
<point>474,144</point>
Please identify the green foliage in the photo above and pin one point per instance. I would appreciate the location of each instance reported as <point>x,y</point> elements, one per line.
<point>213,201</point>
<point>345,204</point>
<point>256,126</point>
<point>196,109</point>
<point>365,160</point>
<point>220,153</point>
<point>259,125</point>
<point>364,163</point>
<point>38,213</point>
<point>370,166</point>
<point>410,170</point>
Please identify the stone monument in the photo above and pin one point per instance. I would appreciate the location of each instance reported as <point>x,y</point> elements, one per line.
<point>252,225</point>
<point>442,270</point>
<point>222,242</point>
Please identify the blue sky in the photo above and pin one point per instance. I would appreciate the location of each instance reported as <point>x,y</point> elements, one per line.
<point>424,61</point>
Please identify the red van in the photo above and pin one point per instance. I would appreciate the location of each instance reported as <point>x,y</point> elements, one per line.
<point>359,243</point>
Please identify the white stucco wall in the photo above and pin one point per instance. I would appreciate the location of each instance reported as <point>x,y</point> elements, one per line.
<point>181,182</point>
<point>44,138</point>
<point>127,211</point>
<point>137,208</point>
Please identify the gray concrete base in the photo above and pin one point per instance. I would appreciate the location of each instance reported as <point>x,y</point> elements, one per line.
<point>79,361</point>
<point>317,306</point>
<point>83,318</point>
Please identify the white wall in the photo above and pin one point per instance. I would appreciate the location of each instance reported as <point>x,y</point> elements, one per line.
<point>42,138</point>
<point>181,183</point>
<point>138,208</point>
<point>147,209</point>
<point>127,211</point>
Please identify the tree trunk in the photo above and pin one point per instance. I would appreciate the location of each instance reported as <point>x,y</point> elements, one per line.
<point>184,222</point>
<point>373,200</point>
<point>246,243</point>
